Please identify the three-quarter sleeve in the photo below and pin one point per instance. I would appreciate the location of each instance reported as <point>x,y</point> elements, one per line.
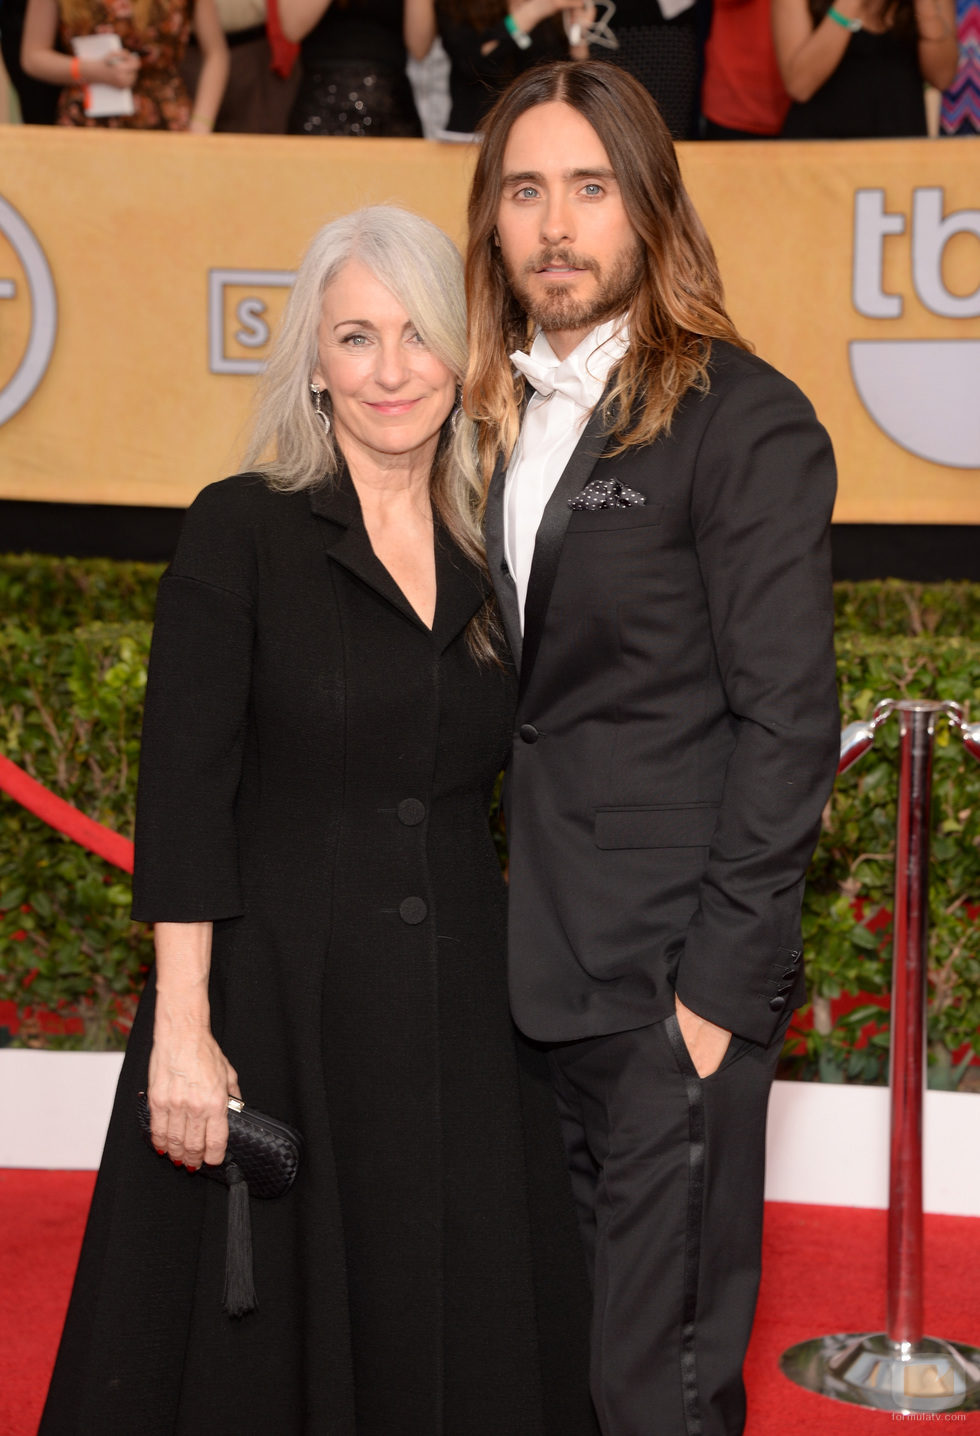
<point>197,701</point>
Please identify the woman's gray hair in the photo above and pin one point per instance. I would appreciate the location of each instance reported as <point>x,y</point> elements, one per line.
<point>423,269</point>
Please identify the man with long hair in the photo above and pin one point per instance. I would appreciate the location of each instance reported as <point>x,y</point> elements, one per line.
<point>657,529</point>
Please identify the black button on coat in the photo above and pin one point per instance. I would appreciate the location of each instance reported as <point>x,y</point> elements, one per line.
<point>424,1276</point>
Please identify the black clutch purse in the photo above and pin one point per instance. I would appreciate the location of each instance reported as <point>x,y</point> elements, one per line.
<point>261,1160</point>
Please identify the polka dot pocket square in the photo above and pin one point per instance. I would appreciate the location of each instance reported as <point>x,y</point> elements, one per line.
<point>606,494</point>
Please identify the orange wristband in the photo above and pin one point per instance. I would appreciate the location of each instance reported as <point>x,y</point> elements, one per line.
<point>76,69</point>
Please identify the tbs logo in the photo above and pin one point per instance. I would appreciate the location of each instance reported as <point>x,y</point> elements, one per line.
<point>28,312</point>
<point>922,392</point>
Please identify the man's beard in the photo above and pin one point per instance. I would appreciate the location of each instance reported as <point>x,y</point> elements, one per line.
<point>557,309</point>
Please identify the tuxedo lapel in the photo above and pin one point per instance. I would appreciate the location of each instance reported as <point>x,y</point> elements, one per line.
<point>503,582</point>
<point>551,536</point>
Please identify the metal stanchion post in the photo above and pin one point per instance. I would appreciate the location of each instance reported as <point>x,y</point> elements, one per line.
<point>900,1369</point>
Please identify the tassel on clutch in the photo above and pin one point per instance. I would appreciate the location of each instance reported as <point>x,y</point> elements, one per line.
<point>261,1160</point>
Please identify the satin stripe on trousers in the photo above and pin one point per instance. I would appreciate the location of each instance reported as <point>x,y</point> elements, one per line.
<point>668,1172</point>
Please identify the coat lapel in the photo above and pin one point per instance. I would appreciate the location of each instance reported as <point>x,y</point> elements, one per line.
<point>503,582</point>
<point>460,586</point>
<point>461,590</point>
<point>551,535</point>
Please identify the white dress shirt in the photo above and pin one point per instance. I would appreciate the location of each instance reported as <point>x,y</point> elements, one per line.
<point>566,392</point>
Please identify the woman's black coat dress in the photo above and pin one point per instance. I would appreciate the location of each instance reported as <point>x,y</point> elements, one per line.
<point>316,774</point>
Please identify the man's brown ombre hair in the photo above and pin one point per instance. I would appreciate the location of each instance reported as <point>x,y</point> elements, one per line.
<point>678,307</point>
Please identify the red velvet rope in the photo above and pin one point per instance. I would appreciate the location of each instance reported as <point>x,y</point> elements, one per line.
<point>54,811</point>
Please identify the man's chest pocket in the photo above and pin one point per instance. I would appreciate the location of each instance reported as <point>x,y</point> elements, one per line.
<point>587,522</point>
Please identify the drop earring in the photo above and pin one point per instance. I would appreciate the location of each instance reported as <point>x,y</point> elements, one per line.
<point>323,417</point>
<point>457,413</point>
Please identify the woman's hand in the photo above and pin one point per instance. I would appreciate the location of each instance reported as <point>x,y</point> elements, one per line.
<point>118,70</point>
<point>190,1078</point>
<point>189,1085</point>
<point>42,61</point>
<point>529,13</point>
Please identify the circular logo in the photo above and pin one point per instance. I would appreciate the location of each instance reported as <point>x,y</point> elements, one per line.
<point>44,311</point>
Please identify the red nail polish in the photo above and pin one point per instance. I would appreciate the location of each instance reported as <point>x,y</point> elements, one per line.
<point>190,1169</point>
<point>178,1162</point>
<point>161,1151</point>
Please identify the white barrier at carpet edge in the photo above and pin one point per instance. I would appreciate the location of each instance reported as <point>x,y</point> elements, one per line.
<point>826,1144</point>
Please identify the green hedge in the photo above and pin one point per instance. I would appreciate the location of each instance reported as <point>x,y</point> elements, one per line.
<point>52,594</point>
<point>72,668</point>
<point>70,706</point>
<point>852,877</point>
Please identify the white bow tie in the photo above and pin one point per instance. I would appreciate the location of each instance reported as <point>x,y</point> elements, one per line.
<point>561,378</point>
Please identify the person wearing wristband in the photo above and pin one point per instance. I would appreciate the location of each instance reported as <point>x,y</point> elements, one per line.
<point>154,35</point>
<point>489,43</point>
<point>856,68</point>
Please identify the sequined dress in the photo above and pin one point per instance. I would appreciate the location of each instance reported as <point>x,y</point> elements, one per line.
<point>354,80</point>
<point>160,96</point>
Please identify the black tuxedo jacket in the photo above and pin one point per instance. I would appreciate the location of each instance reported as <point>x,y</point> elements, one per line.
<point>677,729</point>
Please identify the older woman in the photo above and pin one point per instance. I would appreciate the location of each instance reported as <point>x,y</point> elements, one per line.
<point>326,714</point>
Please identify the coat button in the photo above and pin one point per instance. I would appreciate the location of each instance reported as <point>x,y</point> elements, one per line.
<point>413,910</point>
<point>410,812</point>
<point>529,733</point>
<point>790,972</point>
<point>777,1003</point>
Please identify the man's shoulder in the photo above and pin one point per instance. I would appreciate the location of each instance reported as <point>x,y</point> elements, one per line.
<point>730,366</point>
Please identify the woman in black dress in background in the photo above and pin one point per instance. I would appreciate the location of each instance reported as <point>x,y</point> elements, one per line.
<point>856,69</point>
<point>353,57</point>
<point>326,714</point>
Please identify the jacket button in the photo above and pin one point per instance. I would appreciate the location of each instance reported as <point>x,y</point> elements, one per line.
<point>790,972</point>
<point>410,812</point>
<point>529,733</point>
<point>412,910</point>
<point>777,1003</point>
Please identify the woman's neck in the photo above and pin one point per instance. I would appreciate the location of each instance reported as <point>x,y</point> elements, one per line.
<point>391,481</point>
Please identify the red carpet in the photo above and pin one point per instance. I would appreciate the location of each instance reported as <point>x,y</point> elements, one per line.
<point>824,1272</point>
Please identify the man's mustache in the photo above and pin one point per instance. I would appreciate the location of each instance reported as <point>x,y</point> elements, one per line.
<point>566,258</point>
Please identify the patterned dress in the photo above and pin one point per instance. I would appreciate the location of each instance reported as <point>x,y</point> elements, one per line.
<point>160,97</point>
<point>961,102</point>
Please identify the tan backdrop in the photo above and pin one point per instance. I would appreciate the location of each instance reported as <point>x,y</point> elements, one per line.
<point>851,267</point>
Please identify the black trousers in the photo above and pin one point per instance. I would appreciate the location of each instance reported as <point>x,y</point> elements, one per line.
<point>667,1171</point>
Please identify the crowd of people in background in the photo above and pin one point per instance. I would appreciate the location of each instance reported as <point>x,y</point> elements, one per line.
<point>718,69</point>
